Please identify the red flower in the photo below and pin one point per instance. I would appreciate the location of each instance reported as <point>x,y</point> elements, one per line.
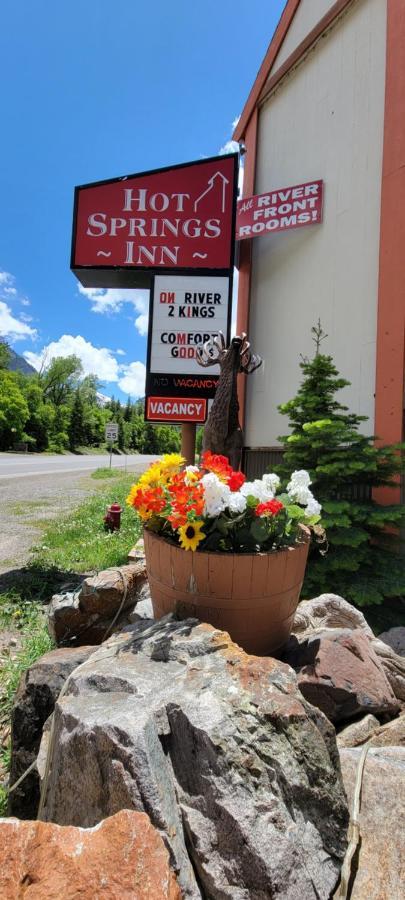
<point>235,481</point>
<point>271,508</point>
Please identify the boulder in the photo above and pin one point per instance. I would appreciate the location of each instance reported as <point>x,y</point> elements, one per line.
<point>339,672</point>
<point>390,735</point>
<point>123,858</point>
<point>358,732</point>
<point>236,770</point>
<point>38,690</point>
<point>102,602</point>
<point>380,871</point>
<point>395,638</point>
<point>332,611</point>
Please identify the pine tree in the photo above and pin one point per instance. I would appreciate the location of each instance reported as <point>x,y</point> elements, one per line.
<point>363,562</point>
<point>76,426</point>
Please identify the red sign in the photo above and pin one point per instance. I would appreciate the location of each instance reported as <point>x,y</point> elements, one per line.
<point>292,207</point>
<point>175,409</point>
<point>178,219</point>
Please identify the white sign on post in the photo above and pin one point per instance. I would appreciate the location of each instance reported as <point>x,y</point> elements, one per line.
<point>111,432</point>
<point>187,311</point>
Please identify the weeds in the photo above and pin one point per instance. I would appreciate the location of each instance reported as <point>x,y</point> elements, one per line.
<point>106,473</point>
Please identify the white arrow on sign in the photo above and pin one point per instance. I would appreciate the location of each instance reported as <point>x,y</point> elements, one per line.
<point>211,180</point>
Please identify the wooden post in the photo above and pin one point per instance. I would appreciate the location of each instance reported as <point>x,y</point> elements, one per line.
<point>188,431</point>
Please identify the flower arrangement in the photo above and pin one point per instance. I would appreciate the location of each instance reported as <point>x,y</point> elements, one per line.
<point>212,507</point>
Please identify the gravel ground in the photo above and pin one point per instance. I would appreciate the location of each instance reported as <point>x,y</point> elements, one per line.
<point>28,504</point>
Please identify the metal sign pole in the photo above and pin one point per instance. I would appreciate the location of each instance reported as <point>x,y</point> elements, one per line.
<point>110,453</point>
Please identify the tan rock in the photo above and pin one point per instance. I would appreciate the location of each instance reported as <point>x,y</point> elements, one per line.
<point>122,858</point>
<point>381,866</point>
<point>358,732</point>
<point>390,735</point>
<point>331,611</point>
<point>85,616</point>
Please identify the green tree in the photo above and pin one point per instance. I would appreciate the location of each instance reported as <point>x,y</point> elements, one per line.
<point>14,411</point>
<point>4,354</point>
<point>76,429</point>
<point>362,563</point>
<point>60,379</point>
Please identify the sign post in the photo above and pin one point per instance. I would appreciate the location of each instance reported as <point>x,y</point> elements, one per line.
<point>111,435</point>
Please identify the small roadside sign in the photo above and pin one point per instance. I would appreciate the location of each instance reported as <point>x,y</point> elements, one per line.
<point>111,432</point>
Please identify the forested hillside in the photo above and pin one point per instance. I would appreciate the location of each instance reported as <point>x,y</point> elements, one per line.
<point>57,409</point>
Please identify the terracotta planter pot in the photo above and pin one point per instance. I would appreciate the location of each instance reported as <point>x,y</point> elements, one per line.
<point>252,596</point>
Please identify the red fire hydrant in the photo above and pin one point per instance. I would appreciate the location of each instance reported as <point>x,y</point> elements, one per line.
<point>112,518</point>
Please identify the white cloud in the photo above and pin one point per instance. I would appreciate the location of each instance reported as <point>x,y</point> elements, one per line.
<point>10,290</point>
<point>132,379</point>
<point>25,302</point>
<point>235,122</point>
<point>229,147</point>
<point>13,328</point>
<point>6,278</point>
<point>120,352</point>
<point>95,360</point>
<point>98,361</point>
<point>110,301</point>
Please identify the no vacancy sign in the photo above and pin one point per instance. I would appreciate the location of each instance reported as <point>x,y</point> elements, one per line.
<point>179,219</point>
<point>186,311</point>
<point>280,210</point>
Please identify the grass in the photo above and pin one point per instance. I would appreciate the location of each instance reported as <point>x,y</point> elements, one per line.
<point>79,543</point>
<point>106,473</point>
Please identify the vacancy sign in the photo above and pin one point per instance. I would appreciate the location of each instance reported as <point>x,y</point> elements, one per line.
<point>281,210</point>
<point>175,409</point>
<point>173,219</point>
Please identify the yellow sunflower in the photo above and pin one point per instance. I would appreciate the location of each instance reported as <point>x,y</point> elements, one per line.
<point>191,535</point>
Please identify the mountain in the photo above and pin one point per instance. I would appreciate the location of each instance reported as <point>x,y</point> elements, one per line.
<point>19,364</point>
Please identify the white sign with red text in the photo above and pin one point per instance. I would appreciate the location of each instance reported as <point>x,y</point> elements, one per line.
<point>187,312</point>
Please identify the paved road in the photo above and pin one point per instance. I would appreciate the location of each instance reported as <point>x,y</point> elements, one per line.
<point>13,465</point>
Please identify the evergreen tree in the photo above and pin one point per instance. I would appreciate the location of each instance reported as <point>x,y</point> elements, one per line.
<point>76,425</point>
<point>363,562</point>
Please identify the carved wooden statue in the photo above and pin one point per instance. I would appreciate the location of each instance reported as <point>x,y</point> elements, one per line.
<point>222,432</point>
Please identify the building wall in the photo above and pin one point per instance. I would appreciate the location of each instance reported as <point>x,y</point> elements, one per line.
<point>325,120</point>
<point>305,19</point>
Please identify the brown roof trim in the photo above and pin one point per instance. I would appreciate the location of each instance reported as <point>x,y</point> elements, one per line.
<point>262,75</point>
<point>312,37</point>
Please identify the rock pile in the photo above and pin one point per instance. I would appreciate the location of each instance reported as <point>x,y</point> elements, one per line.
<point>102,603</point>
<point>236,770</point>
<point>233,758</point>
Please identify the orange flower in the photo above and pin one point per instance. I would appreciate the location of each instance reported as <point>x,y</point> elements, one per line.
<point>217,464</point>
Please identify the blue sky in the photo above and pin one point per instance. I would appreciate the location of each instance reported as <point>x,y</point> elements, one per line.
<point>94,89</point>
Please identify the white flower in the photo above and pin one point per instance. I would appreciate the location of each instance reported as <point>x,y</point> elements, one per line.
<point>257,489</point>
<point>313,508</point>
<point>216,495</point>
<point>298,487</point>
<point>237,502</point>
<point>271,482</point>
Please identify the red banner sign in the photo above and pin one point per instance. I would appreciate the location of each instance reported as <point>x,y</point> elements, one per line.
<point>291,207</point>
<point>175,409</point>
<point>175,219</point>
